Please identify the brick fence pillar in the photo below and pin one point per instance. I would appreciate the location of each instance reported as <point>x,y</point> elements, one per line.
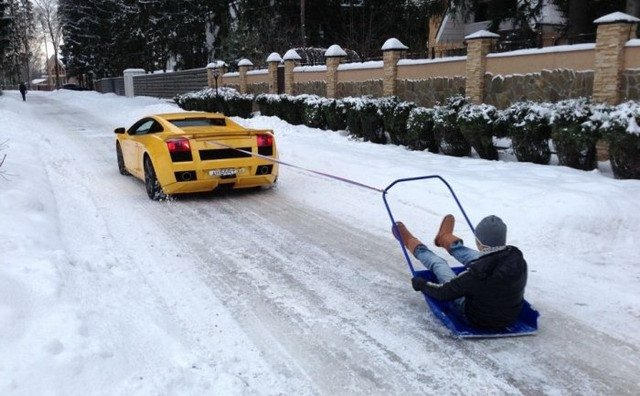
<point>243,66</point>
<point>128,81</point>
<point>478,47</point>
<point>614,30</point>
<point>333,57</point>
<point>290,59</point>
<point>273,60</point>
<point>392,51</point>
<point>215,71</point>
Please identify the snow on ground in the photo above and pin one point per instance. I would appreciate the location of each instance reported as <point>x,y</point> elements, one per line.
<point>105,292</point>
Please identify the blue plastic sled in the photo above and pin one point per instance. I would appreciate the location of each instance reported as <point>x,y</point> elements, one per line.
<point>527,323</point>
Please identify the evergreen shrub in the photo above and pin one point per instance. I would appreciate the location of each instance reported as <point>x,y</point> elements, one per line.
<point>446,129</point>
<point>363,119</point>
<point>420,135</point>
<point>476,123</point>
<point>227,101</point>
<point>575,133</point>
<point>529,130</point>
<point>394,118</point>
<point>269,104</point>
<point>621,129</point>
<point>291,108</point>
<point>313,114</point>
<point>335,114</point>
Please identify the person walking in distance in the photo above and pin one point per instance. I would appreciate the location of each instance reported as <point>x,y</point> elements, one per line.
<point>23,91</point>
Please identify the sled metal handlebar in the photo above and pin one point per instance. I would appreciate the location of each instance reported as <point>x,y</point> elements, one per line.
<point>393,222</point>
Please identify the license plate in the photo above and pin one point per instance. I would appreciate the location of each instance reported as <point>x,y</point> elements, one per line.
<point>226,171</point>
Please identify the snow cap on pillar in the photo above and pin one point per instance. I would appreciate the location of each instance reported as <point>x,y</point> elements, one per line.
<point>616,17</point>
<point>134,71</point>
<point>334,51</point>
<point>480,34</point>
<point>216,64</point>
<point>245,62</point>
<point>291,55</point>
<point>393,44</point>
<point>274,57</point>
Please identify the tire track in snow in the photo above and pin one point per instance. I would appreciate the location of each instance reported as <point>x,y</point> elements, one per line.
<point>329,304</point>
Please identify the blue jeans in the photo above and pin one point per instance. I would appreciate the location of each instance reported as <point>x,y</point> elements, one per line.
<point>440,267</point>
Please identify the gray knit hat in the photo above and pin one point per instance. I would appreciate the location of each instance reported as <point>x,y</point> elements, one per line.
<point>491,231</point>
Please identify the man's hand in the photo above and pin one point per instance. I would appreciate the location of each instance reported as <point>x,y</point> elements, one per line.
<point>418,283</point>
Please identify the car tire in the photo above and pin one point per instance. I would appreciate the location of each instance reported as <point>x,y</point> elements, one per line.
<point>121,167</point>
<point>154,191</point>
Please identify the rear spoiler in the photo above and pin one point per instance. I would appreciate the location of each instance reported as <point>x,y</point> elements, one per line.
<point>228,134</point>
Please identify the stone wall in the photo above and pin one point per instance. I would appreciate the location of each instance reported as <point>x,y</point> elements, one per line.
<point>430,91</point>
<point>311,87</point>
<point>361,88</point>
<point>259,88</point>
<point>110,85</point>
<point>548,85</point>
<point>168,85</point>
<point>233,86</point>
<point>630,85</point>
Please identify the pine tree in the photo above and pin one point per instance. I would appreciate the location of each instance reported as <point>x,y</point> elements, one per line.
<point>18,53</point>
<point>581,14</point>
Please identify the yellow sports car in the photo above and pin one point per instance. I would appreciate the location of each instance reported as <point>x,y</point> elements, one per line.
<point>195,151</point>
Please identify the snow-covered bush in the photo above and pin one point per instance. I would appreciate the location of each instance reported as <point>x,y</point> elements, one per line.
<point>313,114</point>
<point>529,128</point>
<point>292,108</point>
<point>394,115</point>
<point>620,127</point>
<point>446,128</point>
<point>363,118</point>
<point>476,123</point>
<point>223,100</point>
<point>420,130</point>
<point>269,104</point>
<point>574,133</point>
<point>334,113</point>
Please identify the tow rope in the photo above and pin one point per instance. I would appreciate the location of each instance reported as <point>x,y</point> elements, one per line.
<point>362,185</point>
<point>330,176</point>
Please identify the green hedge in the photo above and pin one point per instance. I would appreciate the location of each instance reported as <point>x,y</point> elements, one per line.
<point>572,126</point>
<point>223,100</point>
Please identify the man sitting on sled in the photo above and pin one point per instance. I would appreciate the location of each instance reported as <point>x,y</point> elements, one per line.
<point>490,293</point>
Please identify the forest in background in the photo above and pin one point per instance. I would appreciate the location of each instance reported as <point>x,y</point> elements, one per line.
<point>103,37</point>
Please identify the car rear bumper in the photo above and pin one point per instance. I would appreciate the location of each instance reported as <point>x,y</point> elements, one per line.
<point>211,183</point>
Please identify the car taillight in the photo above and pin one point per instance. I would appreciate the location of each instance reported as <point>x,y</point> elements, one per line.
<point>264,140</point>
<point>178,145</point>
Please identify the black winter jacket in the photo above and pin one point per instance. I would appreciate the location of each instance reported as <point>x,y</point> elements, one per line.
<point>493,287</point>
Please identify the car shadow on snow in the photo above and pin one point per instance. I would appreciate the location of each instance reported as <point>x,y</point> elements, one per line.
<point>222,192</point>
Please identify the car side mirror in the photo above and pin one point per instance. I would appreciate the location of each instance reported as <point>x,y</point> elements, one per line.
<point>119,130</point>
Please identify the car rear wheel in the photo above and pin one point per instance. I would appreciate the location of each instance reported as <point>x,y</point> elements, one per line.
<point>154,191</point>
<point>121,168</point>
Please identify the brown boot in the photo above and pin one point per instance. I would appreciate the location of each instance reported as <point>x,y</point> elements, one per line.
<point>445,237</point>
<point>403,235</point>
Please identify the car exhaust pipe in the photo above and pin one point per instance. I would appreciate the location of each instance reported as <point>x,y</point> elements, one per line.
<point>185,176</point>
<point>264,169</point>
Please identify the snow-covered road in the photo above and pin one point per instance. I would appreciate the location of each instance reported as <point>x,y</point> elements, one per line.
<point>299,289</point>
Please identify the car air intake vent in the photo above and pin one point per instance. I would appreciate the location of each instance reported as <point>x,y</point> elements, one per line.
<point>181,156</point>
<point>206,155</point>
<point>265,150</point>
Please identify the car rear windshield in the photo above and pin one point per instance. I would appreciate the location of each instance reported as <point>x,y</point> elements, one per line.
<point>198,122</point>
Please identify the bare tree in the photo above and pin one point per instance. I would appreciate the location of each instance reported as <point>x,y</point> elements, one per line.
<point>47,14</point>
<point>3,157</point>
